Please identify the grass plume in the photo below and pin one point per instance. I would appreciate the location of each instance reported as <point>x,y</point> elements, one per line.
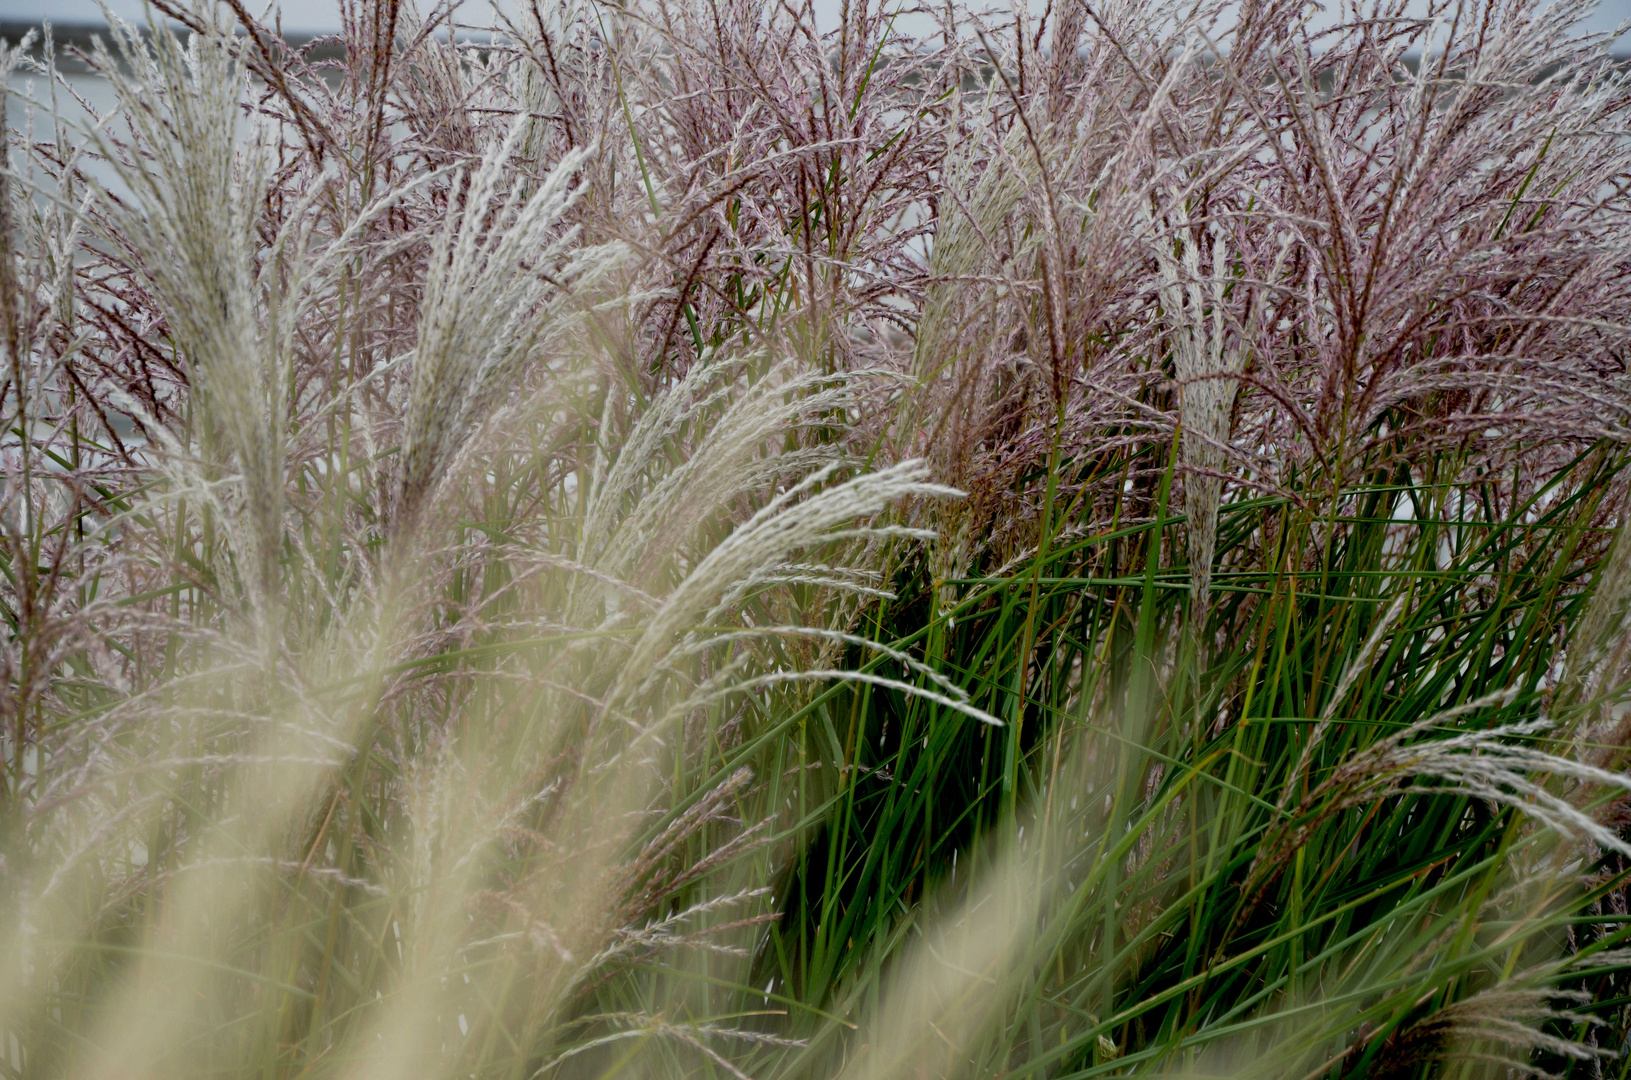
<point>673,539</point>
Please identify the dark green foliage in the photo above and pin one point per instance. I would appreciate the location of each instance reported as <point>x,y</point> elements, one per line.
<point>1247,913</point>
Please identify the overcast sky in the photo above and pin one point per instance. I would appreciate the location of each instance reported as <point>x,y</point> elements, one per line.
<point>308,15</point>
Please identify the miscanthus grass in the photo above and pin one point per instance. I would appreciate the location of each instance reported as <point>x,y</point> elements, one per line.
<point>675,539</point>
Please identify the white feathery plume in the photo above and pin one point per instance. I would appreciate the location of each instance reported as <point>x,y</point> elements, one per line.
<point>1207,367</point>
<point>504,275</point>
<point>197,198</point>
<point>798,519</point>
<point>1489,764</point>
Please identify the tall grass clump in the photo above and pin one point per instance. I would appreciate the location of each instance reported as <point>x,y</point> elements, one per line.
<point>681,539</point>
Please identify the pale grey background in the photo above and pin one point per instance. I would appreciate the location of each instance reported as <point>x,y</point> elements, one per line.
<point>317,15</point>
